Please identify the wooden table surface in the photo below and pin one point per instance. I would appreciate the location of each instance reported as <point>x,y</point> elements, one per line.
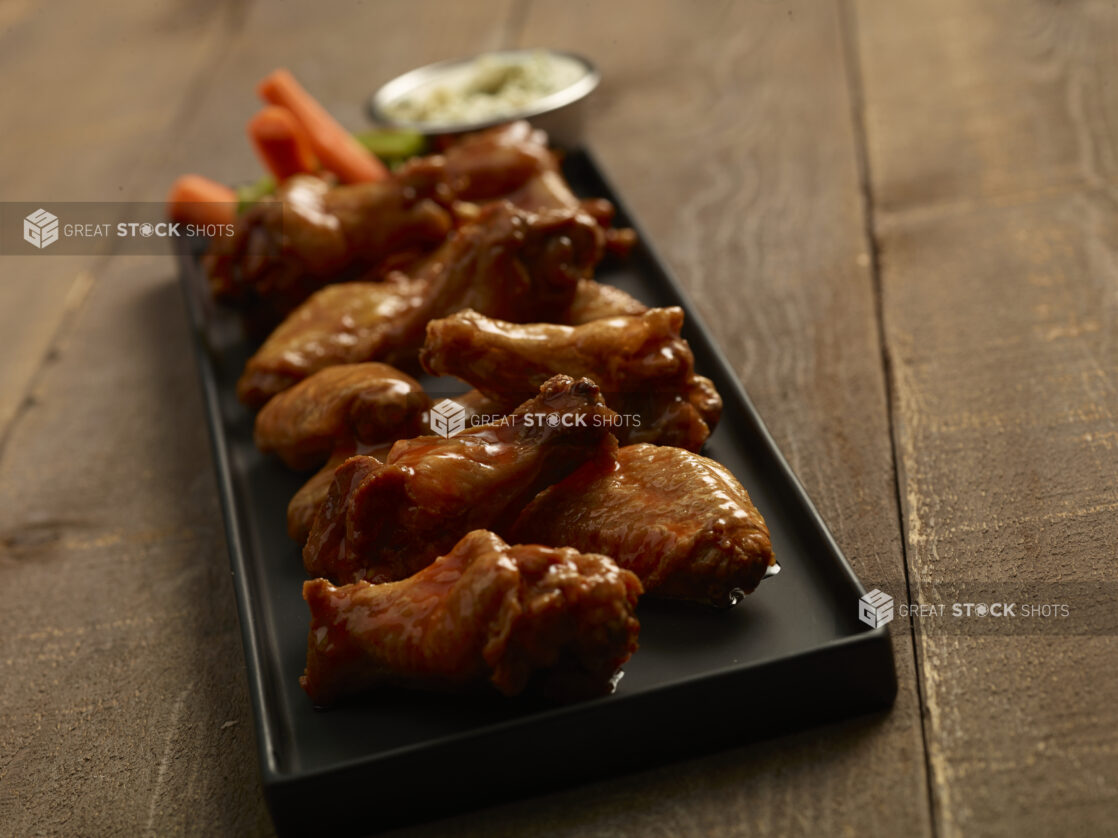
<point>901,220</point>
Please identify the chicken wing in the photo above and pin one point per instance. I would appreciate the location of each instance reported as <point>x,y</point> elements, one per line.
<point>644,367</point>
<point>383,522</point>
<point>510,162</point>
<point>482,166</point>
<point>346,404</point>
<point>313,233</point>
<point>681,522</point>
<point>305,504</point>
<point>341,324</point>
<point>548,190</point>
<point>509,263</point>
<point>484,615</point>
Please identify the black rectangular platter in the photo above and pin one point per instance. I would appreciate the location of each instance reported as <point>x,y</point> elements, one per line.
<point>792,654</point>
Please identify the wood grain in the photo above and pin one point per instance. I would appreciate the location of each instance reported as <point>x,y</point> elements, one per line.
<point>1006,396</point>
<point>988,101</point>
<point>108,679</point>
<point>995,222</point>
<point>35,302</point>
<point>124,712</point>
<point>77,135</point>
<point>341,51</point>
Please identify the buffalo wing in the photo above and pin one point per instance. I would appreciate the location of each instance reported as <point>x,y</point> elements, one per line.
<point>484,166</point>
<point>554,620</point>
<point>313,234</point>
<point>383,522</point>
<point>680,521</point>
<point>342,405</point>
<point>645,369</point>
<point>305,504</point>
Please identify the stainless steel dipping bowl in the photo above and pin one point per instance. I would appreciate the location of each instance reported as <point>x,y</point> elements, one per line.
<point>561,114</point>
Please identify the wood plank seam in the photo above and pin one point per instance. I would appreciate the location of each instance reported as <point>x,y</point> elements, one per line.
<point>848,24</point>
<point>933,211</point>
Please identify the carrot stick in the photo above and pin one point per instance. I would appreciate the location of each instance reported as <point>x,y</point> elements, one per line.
<point>332,144</point>
<point>281,142</point>
<point>198,200</point>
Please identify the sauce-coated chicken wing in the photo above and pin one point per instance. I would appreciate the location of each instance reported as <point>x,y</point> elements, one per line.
<point>341,324</point>
<point>483,166</point>
<point>383,522</point>
<point>305,504</point>
<point>342,405</point>
<point>645,369</point>
<point>680,521</point>
<point>555,620</point>
<point>313,233</point>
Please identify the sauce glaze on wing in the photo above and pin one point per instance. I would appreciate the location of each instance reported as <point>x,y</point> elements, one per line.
<point>556,620</point>
<point>678,520</point>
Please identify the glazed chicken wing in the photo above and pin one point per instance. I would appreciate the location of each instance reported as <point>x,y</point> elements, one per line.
<point>342,405</point>
<point>513,162</point>
<point>314,233</point>
<point>305,504</point>
<point>681,522</point>
<point>510,162</point>
<point>341,324</point>
<point>507,360</point>
<point>383,522</point>
<point>644,367</point>
<point>554,620</point>
<point>509,263</point>
<point>482,166</point>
